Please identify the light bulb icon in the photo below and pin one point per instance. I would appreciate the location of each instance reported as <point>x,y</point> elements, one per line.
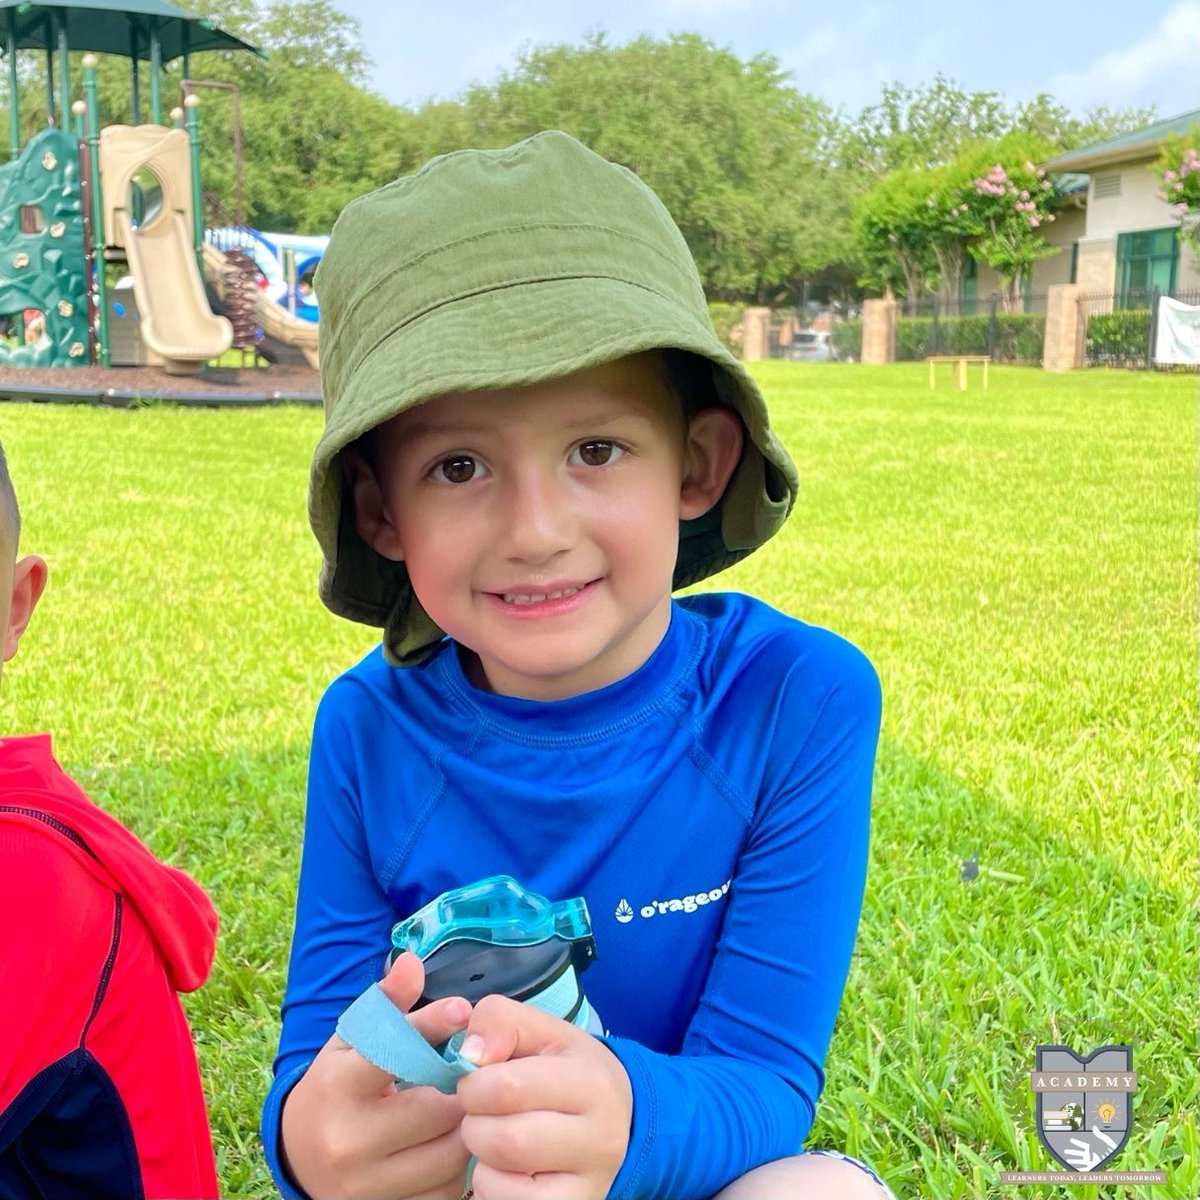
<point>1106,1112</point>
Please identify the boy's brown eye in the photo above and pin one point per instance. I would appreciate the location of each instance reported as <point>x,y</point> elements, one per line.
<point>457,470</point>
<point>596,454</point>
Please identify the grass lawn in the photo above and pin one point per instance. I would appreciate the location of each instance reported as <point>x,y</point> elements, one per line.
<point>1019,564</point>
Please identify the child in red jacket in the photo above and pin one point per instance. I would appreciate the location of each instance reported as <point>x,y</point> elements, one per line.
<point>100,1092</point>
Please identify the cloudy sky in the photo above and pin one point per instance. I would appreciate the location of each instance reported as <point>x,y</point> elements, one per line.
<point>1083,53</point>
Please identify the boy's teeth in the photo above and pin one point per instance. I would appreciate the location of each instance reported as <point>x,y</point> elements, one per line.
<point>536,597</point>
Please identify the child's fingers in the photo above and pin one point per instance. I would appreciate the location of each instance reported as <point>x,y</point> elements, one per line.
<point>489,1183</point>
<point>405,981</point>
<point>501,1029</point>
<point>348,1131</point>
<point>524,1085</point>
<point>529,1143</point>
<point>436,1022</point>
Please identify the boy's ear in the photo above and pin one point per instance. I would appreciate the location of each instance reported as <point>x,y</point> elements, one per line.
<point>714,446</point>
<point>29,582</point>
<point>371,516</point>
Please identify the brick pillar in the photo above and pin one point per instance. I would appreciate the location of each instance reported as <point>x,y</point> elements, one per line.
<point>879,331</point>
<point>756,331</point>
<point>1065,328</point>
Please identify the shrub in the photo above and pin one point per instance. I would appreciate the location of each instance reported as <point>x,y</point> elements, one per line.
<point>1118,339</point>
<point>1018,337</point>
<point>847,340</point>
<point>724,317</point>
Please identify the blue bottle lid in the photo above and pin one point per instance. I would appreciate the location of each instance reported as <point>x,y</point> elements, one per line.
<point>496,911</point>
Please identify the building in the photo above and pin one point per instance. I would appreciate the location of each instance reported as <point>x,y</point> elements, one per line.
<point>1130,241</point>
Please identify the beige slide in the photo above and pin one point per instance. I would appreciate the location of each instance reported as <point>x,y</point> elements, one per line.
<point>275,320</point>
<point>146,176</point>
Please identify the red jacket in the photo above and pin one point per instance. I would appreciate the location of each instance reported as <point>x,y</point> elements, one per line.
<point>100,1093</point>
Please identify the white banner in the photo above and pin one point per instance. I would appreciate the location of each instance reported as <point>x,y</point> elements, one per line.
<point>1178,340</point>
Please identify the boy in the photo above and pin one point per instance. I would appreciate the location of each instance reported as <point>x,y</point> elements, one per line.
<point>100,1093</point>
<point>532,436</point>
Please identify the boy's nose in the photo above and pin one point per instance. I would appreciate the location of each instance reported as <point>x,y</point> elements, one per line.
<point>539,519</point>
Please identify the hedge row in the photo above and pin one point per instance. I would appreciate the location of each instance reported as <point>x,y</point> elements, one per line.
<point>1019,337</point>
<point>1118,339</point>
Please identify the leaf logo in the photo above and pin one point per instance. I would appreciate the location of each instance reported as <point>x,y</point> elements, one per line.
<point>624,912</point>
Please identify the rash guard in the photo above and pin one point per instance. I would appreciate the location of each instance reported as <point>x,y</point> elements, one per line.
<point>712,808</point>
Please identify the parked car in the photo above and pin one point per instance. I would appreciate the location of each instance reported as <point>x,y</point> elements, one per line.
<point>811,345</point>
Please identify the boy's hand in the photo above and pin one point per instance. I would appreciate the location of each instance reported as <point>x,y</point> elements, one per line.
<point>346,1130</point>
<point>548,1112</point>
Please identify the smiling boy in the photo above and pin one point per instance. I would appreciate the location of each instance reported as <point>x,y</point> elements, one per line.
<point>540,524</point>
<point>532,438</point>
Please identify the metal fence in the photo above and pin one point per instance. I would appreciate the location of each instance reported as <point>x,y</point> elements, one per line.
<point>1008,333</point>
<point>1122,326</point>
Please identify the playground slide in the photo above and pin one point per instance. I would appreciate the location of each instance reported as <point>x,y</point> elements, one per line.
<point>276,322</point>
<point>147,198</point>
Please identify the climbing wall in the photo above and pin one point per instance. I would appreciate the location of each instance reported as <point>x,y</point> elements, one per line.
<point>42,256</point>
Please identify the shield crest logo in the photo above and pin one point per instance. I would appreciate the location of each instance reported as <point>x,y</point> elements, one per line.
<point>1087,1121</point>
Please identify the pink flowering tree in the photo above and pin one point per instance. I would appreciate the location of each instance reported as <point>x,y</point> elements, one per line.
<point>1003,205</point>
<point>1178,170</point>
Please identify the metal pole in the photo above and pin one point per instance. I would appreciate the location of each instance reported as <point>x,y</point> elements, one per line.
<point>93,113</point>
<point>1152,336</point>
<point>79,108</point>
<point>64,69</point>
<point>155,76</point>
<point>51,110</point>
<point>187,84</point>
<point>289,275</point>
<point>192,116</point>
<point>135,80</point>
<point>14,114</point>
<point>187,51</point>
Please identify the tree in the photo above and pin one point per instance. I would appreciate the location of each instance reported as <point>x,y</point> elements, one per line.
<point>931,124</point>
<point>1048,121</point>
<point>1178,170</point>
<point>1004,200</point>
<point>738,156</point>
<point>894,234</point>
<point>922,126</point>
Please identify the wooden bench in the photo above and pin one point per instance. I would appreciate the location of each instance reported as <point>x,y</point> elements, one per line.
<point>962,360</point>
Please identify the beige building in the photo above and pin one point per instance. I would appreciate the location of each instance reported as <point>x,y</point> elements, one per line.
<point>1130,241</point>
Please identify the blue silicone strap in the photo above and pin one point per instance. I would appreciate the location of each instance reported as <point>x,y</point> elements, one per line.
<point>383,1035</point>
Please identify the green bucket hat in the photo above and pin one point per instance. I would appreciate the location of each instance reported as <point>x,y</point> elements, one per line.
<point>495,269</point>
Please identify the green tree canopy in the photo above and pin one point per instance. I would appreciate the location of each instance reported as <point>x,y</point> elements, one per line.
<point>739,157</point>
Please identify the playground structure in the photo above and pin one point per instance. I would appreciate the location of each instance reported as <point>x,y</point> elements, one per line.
<point>285,263</point>
<point>72,203</point>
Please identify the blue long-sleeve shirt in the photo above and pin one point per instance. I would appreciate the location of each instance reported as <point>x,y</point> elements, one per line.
<point>712,808</point>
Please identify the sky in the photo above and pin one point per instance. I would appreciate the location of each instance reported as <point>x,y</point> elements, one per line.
<point>1102,52</point>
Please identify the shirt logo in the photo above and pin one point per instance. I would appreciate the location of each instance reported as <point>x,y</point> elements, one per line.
<point>685,904</point>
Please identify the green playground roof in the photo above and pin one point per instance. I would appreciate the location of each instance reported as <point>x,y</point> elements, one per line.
<point>1142,143</point>
<point>115,27</point>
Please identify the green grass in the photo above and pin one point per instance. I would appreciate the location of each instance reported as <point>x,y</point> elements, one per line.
<point>1019,564</point>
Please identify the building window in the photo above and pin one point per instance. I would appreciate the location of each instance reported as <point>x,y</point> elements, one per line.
<point>1074,263</point>
<point>970,281</point>
<point>1145,261</point>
